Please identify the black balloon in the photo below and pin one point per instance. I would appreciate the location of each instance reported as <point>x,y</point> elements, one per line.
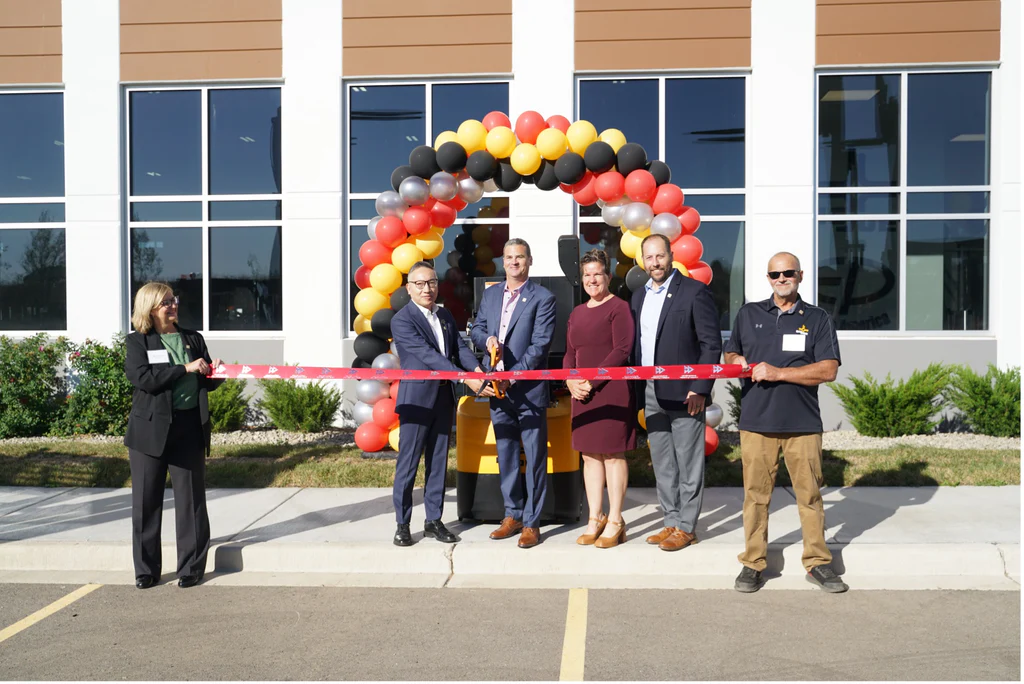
<point>659,169</point>
<point>481,166</point>
<point>630,157</point>
<point>423,161</point>
<point>635,279</point>
<point>545,177</point>
<point>369,346</point>
<point>400,174</point>
<point>468,228</point>
<point>399,298</point>
<point>464,242</point>
<point>451,157</point>
<point>507,179</point>
<point>380,323</point>
<point>467,263</point>
<point>570,168</point>
<point>359,363</point>
<point>599,157</point>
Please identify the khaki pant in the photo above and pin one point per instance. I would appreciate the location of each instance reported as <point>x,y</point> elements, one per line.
<point>760,452</point>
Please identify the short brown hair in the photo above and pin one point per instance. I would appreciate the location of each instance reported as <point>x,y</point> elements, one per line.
<point>596,256</point>
<point>147,299</point>
<point>657,236</point>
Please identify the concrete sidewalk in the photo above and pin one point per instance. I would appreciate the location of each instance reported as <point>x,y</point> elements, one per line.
<point>881,538</point>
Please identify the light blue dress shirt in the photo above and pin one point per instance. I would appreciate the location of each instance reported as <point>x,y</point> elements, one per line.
<point>654,300</point>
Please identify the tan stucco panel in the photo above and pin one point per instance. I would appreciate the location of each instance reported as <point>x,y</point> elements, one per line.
<point>30,42</point>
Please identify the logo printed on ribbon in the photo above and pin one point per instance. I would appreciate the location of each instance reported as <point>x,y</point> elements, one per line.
<point>716,369</point>
<point>273,369</point>
<point>574,372</point>
<point>687,369</point>
<point>631,371</point>
<point>658,370</point>
<point>299,370</point>
<point>602,371</point>
<point>246,369</point>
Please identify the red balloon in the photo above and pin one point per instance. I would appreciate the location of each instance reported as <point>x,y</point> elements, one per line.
<point>394,389</point>
<point>591,233</point>
<point>587,179</point>
<point>529,125</point>
<point>384,414</point>
<point>687,250</point>
<point>499,236</point>
<point>441,215</point>
<point>362,277</point>
<point>700,271</point>
<point>668,199</point>
<point>585,192</point>
<point>370,437</point>
<point>558,121</point>
<point>391,231</point>
<point>640,185</point>
<point>710,440</point>
<point>446,289</point>
<point>567,189</point>
<point>456,203</point>
<point>610,185</point>
<point>373,253</point>
<point>494,119</point>
<point>689,219</point>
<point>416,220</point>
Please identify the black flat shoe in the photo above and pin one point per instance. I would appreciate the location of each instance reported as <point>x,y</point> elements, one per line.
<point>402,536</point>
<point>144,581</point>
<point>186,581</point>
<point>437,530</point>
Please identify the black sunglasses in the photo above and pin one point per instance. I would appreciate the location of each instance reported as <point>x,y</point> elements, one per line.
<point>790,273</point>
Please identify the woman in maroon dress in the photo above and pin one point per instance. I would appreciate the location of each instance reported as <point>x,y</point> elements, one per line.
<point>600,334</point>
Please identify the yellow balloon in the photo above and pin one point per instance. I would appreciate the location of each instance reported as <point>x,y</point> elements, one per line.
<point>640,418</point>
<point>682,269</point>
<point>630,245</point>
<point>525,159</point>
<point>482,235</point>
<point>621,269</point>
<point>483,253</point>
<point>361,324</point>
<point>501,141</point>
<point>385,278</point>
<point>580,135</point>
<point>370,301</point>
<point>472,135</point>
<point>486,212</point>
<point>405,255</point>
<point>614,137</point>
<point>551,143</point>
<point>445,136</point>
<point>487,268</point>
<point>642,233</point>
<point>393,438</point>
<point>430,243</point>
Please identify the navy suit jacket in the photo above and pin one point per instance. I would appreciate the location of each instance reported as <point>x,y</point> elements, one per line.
<point>527,340</point>
<point>418,350</point>
<point>688,332</point>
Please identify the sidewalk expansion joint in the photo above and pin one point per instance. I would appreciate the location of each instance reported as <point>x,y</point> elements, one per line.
<point>449,554</point>
<point>282,503</point>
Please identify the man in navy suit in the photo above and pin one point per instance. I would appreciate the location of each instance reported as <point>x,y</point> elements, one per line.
<point>518,319</point>
<point>427,338</point>
<point>676,323</point>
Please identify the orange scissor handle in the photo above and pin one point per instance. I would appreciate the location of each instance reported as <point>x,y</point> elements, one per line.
<point>495,357</point>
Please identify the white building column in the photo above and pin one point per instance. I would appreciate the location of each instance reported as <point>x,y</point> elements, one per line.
<point>92,169</point>
<point>313,265</point>
<point>542,81</point>
<point>780,136</point>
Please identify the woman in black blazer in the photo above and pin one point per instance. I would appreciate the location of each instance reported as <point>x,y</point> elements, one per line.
<point>168,429</point>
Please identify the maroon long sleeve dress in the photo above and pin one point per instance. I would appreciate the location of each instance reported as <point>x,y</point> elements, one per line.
<point>602,336</point>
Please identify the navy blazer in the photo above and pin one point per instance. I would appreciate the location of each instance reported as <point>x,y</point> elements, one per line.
<point>527,339</point>
<point>688,332</point>
<point>418,350</point>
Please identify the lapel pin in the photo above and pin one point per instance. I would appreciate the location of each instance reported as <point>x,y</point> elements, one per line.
<point>670,295</point>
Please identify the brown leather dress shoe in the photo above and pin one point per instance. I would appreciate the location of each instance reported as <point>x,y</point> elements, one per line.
<point>678,540</point>
<point>508,527</point>
<point>665,533</point>
<point>587,539</point>
<point>529,537</point>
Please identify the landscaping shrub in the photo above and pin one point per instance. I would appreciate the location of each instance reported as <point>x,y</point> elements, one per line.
<point>990,403</point>
<point>735,397</point>
<point>101,396</point>
<point>888,409</point>
<point>309,407</point>
<point>228,406</point>
<point>32,391</point>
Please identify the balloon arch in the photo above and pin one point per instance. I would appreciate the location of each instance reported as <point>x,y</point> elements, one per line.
<point>634,194</point>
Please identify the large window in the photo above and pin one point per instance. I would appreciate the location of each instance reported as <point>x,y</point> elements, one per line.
<point>903,200</point>
<point>33,288</point>
<point>204,206</point>
<point>385,123</point>
<point>697,125</point>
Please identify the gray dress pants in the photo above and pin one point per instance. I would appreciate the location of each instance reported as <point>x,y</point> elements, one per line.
<point>677,454</point>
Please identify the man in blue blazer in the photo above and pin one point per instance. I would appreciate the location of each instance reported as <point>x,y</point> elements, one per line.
<point>518,319</point>
<point>427,338</point>
<point>676,323</point>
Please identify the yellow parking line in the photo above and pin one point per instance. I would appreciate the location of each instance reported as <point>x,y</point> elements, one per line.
<point>46,612</point>
<point>574,644</point>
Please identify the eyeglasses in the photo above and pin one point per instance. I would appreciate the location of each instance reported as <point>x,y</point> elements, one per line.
<point>168,303</point>
<point>424,284</point>
<point>789,273</point>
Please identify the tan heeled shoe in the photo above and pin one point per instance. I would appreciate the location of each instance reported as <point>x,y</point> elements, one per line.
<point>588,539</point>
<point>609,542</point>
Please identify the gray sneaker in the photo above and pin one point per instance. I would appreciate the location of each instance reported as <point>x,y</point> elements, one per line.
<point>826,578</point>
<point>749,580</point>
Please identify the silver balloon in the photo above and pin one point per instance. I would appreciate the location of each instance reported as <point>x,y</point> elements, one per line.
<point>713,415</point>
<point>601,203</point>
<point>372,391</point>
<point>362,413</point>
<point>637,216</point>
<point>371,227</point>
<point>443,186</point>
<point>612,211</point>
<point>668,225</point>
<point>394,349</point>
<point>386,361</point>
<point>453,259</point>
<point>470,190</point>
<point>390,203</point>
<point>490,185</point>
<point>414,191</point>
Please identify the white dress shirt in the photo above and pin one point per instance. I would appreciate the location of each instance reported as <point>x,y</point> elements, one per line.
<point>435,323</point>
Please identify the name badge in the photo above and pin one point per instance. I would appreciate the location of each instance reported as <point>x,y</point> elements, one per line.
<point>794,343</point>
<point>158,356</point>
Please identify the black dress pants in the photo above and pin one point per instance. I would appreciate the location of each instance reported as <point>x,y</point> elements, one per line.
<point>185,456</point>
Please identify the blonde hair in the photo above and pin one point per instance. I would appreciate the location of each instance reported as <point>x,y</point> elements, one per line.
<point>147,299</point>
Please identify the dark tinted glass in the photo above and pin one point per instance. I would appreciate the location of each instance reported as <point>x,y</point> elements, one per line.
<point>454,103</point>
<point>253,210</point>
<point>362,210</point>
<point>245,141</point>
<point>947,275</point>
<point>589,210</point>
<point>723,252</point>
<point>947,202</point>
<point>245,278</point>
<point>859,130</point>
<point>948,129</point>
<point>32,145</point>
<point>858,273</point>
<point>32,213</point>
<point>174,256</point>
<point>167,211</point>
<point>386,122</point>
<point>705,127</point>
<point>717,205</point>
<point>487,208</point>
<point>166,142</point>
<point>33,286</point>
<point>859,203</point>
<point>628,105</point>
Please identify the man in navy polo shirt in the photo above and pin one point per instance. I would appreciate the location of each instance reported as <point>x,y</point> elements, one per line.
<point>795,349</point>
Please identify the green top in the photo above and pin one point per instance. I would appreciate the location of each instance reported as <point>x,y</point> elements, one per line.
<point>186,388</point>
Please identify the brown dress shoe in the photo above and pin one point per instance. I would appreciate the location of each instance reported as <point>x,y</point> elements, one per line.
<point>529,537</point>
<point>678,540</point>
<point>508,527</point>
<point>665,533</point>
<point>606,542</point>
<point>587,539</point>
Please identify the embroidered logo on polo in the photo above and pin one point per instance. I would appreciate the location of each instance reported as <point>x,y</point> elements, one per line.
<point>803,329</point>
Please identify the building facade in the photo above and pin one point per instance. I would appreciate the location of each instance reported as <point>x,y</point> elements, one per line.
<point>234,149</point>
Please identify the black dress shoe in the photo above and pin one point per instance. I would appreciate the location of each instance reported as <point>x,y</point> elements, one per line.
<point>186,581</point>
<point>144,581</point>
<point>437,530</point>
<point>402,536</point>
